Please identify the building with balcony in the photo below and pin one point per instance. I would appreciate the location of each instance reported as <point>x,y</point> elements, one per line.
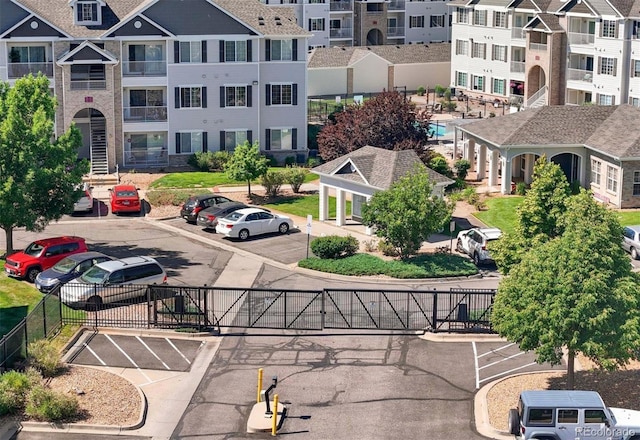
<point>346,23</point>
<point>536,52</point>
<point>149,83</point>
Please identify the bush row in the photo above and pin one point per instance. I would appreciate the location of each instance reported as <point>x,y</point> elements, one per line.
<point>334,246</point>
<point>273,180</point>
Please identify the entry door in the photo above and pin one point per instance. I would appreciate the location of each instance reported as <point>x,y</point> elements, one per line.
<point>567,423</point>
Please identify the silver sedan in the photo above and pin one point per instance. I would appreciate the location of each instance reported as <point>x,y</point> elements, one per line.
<point>250,222</point>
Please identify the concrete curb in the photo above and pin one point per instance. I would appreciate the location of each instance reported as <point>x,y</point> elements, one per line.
<point>461,337</point>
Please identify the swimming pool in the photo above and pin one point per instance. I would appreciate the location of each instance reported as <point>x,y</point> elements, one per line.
<point>439,129</point>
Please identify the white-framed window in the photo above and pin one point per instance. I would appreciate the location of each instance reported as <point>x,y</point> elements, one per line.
<point>635,30</point>
<point>233,138</point>
<point>188,142</point>
<point>498,53</point>
<point>27,54</point>
<point>87,12</point>
<point>281,138</point>
<point>612,179</point>
<point>280,94</point>
<point>235,96</point>
<point>605,99</point>
<point>281,50</point>
<point>479,50</point>
<point>499,86</point>
<point>462,15</point>
<point>191,51</point>
<point>191,97</point>
<point>436,21</point>
<point>316,24</point>
<point>461,79</point>
<point>235,51</point>
<point>608,66</point>
<point>462,47</point>
<point>634,101</point>
<point>596,172</point>
<point>500,19</point>
<point>416,21</point>
<point>636,183</point>
<point>635,68</point>
<point>477,83</point>
<point>480,18</point>
<point>609,29</point>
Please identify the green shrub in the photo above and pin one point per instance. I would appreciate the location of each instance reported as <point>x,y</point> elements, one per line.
<point>272,180</point>
<point>387,249</point>
<point>163,197</point>
<point>290,161</point>
<point>439,164</point>
<point>334,246</point>
<point>294,176</point>
<point>521,188</point>
<point>462,167</point>
<point>575,187</point>
<point>44,357</point>
<point>209,161</point>
<point>14,387</point>
<point>47,405</point>
<point>473,198</point>
<point>469,194</point>
<point>313,162</point>
<point>421,91</point>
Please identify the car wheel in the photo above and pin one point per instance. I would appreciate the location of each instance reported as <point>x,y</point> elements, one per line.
<point>634,253</point>
<point>243,235</point>
<point>459,247</point>
<point>32,273</point>
<point>514,422</point>
<point>283,228</point>
<point>476,259</point>
<point>93,303</point>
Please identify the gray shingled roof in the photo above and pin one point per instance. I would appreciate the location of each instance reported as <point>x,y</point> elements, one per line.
<point>394,54</point>
<point>379,167</point>
<point>550,21</point>
<point>613,130</point>
<point>280,21</point>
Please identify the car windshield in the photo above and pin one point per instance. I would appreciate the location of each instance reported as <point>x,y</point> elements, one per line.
<point>65,265</point>
<point>125,193</point>
<point>234,216</point>
<point>95,275</point>
<point>34,249</point>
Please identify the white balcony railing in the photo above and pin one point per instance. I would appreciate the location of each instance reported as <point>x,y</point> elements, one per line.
<point>341,33</point>
<point>580,75</point>
<point>396,5</point>
<point>341,5</point>
<point>397,31</point>
<point>517,66</point>
<point>580,38</point>
<point>94,84</point>
<point>144,68</point>
<point>518,33</point>
<point>18,70</point>
<point>145,157</point>
<point>145,114</point>
<point>538,46</point>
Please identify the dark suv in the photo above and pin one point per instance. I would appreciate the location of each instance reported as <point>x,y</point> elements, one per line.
<point>195,204</point>
<point>41,255</point>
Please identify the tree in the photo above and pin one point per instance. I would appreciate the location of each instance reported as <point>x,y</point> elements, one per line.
<point>407,213</point>
<point>537,217</point>
<point>385,121</point>
<point>247,164</point>
<point>39,174</point>
<point>574,293</point>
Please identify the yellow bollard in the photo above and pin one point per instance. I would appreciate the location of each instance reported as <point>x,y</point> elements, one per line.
<point>274,426</point>
<point>259,384</point>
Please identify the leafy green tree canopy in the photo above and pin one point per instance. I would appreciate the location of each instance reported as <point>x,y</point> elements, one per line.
<point>407,213</point>
<point>574,292</point>
<point>39,173</point>
<point>247,164</point>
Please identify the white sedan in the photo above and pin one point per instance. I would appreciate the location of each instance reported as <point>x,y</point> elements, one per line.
<point>248,222</point>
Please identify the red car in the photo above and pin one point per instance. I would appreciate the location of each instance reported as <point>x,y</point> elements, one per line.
<point>124,198</point>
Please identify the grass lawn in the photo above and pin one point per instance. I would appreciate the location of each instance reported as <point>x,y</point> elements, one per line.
<point>303,205</point>
<point>17,299</point>
<point>501,212</point>
<point>629,218</point>
<point>199,179</point>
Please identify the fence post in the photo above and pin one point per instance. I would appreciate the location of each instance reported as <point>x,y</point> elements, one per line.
<point>44,315</point>
<point>323,310</point>
<point>434,318</point>
<point>285,310</point>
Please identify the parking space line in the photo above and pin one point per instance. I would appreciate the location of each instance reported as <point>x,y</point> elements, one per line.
<point>496,349</point>
<point>502,360</point>
<point>475,359</point>
<point>128,357</point>
<point>507,372</point>
<point>179,352</point>
<point>152,352</point>
<point>85,345</point>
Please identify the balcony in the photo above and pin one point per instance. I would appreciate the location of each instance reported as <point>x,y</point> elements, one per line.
<point>580,38</point>
<point>397,31</point>
<point>93,84</point>
<point>145,114</point>
<point>396,5</point>
<point>542,47</point>
<point>518,33</point>
<point>144,68</point>
<point>18,70</point>
<point>580,75</point>
<point>340,6</point>
<point>341,33</point>
<point>146,157</point>
<point>517,66</point>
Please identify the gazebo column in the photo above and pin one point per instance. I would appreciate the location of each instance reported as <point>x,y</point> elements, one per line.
<point>529,159</point>
<point>340,207</point>
<point>455,144</point>
<point>324,202</point>
<point>493,167</point>
<point>471,154</point>
<point>505,187</point>
<point>482,162</point>
<point>368,229</point>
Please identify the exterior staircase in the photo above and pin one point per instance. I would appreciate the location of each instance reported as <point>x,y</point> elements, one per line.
<point>99,161</point>
<point>538,99</point>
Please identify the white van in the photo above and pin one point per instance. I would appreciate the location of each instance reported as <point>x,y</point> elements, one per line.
<point>113,281</point>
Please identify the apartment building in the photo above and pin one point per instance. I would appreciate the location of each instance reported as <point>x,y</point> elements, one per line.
<point>150,82</point>
<point>536,52</point>
<point>340,23</point>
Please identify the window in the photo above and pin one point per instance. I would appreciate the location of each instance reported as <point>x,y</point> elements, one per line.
<point>567,416</point>
<point>500,19</point>
<point>27,54</point>
<point>635,68</point>
<point>594,416</point>
<point>605,99</point>
<point>499,86</point>
<point>316,24</point>
<point>281,50</point>
<point>634,101</point>
<point>635,30</point>
<point>88,76</point>
<point>479,50</point>
<point>461,79</point>
<point>190,97</point>
<point>375,7</point>
<point>540,417</point>
<point>282,94</point>
<point>636,183</point>
<point>463,15</point>
<point>436,21</point>
<point>87,12</point>
<point>608,66</point>
<point>499,53</point>
<point>146,59</point>
<point>235,51</point>
<point>416,21</point>
<point>189,142</point>
<point>191,51</point>
<point>612,179</point>
<point>478,83</point>
<point>609,29</point>
<point>232,138</point>
<point>480,18</point>
<point>596,172</point>
<point>281,139</point>
<point>462,47</point>
<point>235,96</point>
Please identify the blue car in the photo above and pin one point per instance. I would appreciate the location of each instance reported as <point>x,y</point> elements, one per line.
<point>67,269</point>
